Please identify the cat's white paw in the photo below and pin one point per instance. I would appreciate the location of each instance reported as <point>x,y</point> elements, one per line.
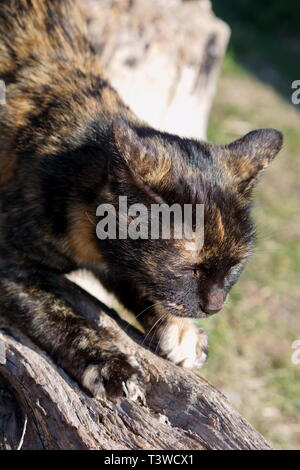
<point>183,343</point>
<point>118,375</point>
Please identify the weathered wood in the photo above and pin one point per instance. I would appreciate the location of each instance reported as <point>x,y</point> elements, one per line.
<point>181,410</point>
<point>163,57</point>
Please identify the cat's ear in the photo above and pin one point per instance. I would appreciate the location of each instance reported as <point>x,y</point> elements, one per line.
<point>251,154</point>
<point>143,156</point>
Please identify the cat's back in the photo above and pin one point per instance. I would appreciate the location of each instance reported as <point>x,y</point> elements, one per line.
<point>40,30</point>
<point>51,75</point>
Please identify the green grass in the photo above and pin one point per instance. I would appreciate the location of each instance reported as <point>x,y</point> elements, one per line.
<point>250,342</point>
<point>265,37</point>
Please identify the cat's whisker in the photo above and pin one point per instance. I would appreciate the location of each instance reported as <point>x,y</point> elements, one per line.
<point>161,317</point>
<point>148,333</point>
<point>89,219</point>
<point>161,336</point>
<point>139,314</point>
<point>143,311</point>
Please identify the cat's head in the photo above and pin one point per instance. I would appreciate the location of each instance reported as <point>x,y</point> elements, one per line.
<point>150,167</point>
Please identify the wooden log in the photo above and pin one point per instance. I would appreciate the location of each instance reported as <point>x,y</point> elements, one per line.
<point>48,410</point>
<point>163,57</point>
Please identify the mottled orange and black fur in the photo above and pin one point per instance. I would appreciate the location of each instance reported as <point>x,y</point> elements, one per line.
<point>69,143</point>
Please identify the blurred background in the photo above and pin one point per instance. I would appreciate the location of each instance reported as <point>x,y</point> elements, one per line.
<point>250,342</point>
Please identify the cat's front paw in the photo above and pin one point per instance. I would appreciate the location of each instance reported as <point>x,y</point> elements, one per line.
<point>183,343</point>
<point>119,375</point>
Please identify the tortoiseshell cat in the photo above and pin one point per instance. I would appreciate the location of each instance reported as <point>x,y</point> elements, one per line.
<point>67,144</point>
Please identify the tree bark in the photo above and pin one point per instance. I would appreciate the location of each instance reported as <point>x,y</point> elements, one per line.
<point>43,408</point>
<point>163,56</point>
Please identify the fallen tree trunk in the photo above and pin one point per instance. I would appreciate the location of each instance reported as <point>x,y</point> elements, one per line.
<point>163,57</point>
<point>48,410</point>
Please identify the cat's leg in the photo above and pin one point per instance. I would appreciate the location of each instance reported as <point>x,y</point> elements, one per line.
<point>175,338</point>
<point>36,303</point>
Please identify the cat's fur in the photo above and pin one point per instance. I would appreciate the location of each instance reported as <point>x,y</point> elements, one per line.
<point>69,143</point>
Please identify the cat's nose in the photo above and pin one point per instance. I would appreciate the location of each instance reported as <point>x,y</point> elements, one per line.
<point>211,311</point>
<point>213,301</point>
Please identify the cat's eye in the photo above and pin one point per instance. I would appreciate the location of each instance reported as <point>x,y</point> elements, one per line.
<point>233,262</point>
<point>197,272</point>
